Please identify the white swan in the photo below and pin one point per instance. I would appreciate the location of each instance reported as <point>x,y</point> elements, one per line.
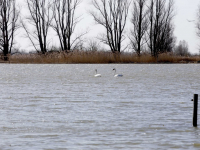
<point>97,75</point>
<point>117,75</point>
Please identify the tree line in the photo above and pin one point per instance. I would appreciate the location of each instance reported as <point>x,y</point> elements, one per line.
<point>151,21</point>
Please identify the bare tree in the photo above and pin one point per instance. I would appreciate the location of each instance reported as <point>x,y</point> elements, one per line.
<point>40,18</point>
<point>65,22</point>
<point>8,25</point>
<point>112,15</point>
<point>161,29</point>
<point>182,49</point>
<point>198,22</point>
<point>93,45</point>
<point>140,25</point>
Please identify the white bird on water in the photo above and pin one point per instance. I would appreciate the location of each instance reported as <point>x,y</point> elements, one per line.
<point>97,75</point>
<point>117,75</point>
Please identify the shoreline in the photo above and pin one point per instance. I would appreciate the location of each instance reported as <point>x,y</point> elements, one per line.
<point>99,58</point>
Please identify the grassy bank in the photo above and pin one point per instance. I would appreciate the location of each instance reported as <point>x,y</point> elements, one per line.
<point>97,57</point>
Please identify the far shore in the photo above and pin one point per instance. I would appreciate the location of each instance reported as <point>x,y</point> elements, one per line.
<point>97,57</point>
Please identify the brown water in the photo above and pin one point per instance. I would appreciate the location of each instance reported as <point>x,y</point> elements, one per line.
<point>65,107</point>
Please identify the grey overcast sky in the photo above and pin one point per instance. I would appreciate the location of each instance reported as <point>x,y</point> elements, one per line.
<point>184,29</point>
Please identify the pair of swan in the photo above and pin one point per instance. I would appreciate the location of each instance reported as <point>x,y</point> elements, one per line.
<point>115,75</point>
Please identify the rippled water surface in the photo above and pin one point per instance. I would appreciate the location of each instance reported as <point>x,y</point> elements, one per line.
<point>50,107</point>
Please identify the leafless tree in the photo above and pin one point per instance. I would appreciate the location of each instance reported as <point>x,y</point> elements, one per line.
<point>182,49</point>
<point>65,22</point>
<point>161,29</point>
<point>140,25</point>
<point>40,18</point>
<point>112,15</point>
<point>8,25</point>
<point>198,22</point>
<point>93,45</point>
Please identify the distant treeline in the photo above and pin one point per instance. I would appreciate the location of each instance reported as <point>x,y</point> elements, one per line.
<point>152,29</point>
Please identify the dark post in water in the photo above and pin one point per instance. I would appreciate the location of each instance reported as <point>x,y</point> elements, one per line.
<point>195,110</point>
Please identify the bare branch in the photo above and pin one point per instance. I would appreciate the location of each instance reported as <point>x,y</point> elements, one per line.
<point>160,34</point>
<point>198,22</point>
<point>8,25</point>
<point>65,22</point>
<point>140,24</point>
<point>40,19</point>
<point>112,15</point>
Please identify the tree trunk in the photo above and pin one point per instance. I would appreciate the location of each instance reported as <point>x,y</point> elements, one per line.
<point>5,52</point>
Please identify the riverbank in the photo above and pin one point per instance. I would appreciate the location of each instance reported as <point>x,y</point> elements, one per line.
<point>97,58</point>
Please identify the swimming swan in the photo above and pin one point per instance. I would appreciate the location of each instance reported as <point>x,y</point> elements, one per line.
<point>117,75</point>
<point>97,75</point>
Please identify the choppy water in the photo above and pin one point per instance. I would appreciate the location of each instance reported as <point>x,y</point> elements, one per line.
<point>62,107</point>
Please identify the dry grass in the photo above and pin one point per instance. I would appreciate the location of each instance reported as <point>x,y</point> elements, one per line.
<point>98,57</point>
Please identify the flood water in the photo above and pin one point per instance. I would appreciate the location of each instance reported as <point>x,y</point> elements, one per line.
<point>61,107</point>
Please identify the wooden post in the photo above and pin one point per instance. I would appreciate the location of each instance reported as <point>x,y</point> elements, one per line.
<point>195,112</point>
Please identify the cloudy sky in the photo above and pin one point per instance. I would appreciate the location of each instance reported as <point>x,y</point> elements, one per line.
<point>184,29</point>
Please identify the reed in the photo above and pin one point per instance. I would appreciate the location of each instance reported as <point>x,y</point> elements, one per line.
<point>98,57</point>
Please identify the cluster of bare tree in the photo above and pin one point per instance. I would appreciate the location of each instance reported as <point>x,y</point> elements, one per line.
<point>151,24</point>
<point>56,14</point>
<point>43,15</point>
<point>161,27</point>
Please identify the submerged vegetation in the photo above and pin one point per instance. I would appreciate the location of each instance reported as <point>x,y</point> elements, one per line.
<point>98,57</point>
